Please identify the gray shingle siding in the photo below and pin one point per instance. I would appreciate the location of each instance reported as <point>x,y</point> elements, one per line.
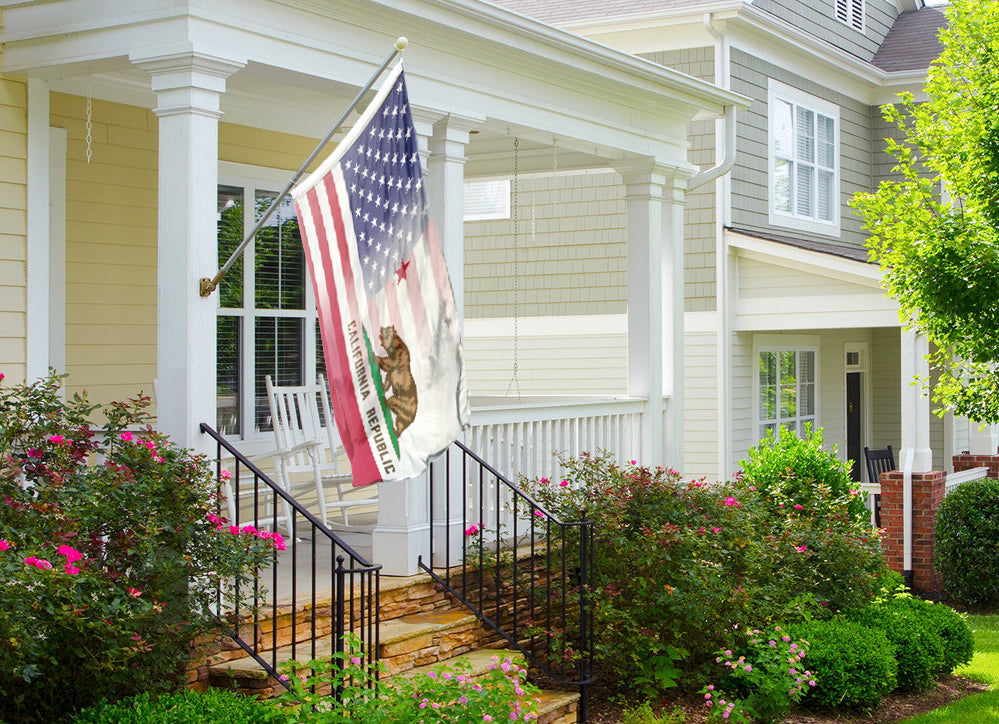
<point>699,213</point>
<point>818,18</point>
<point>750,182</point>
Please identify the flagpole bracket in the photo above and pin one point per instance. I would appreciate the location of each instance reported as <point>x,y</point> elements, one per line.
<point>208,286</point>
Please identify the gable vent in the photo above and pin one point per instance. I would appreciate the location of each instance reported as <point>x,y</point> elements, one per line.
<point>851,12</point>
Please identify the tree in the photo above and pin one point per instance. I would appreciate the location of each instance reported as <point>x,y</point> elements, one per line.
<point>935,230</point>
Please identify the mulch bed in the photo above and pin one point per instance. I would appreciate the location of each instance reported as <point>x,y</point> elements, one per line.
<point>895,707</point>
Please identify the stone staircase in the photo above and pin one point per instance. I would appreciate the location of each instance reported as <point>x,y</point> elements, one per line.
<point>421,628</point>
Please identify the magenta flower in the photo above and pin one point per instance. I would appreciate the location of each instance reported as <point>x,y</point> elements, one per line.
<point>715,530</point>
<point>71,569</point>
<point>72,555</point>
<point>57,439</point>
<point>30,561</point>
<point>248,529</point>
<point>472,529</point>
<point>801,548</point>
<point>539,513</point>
<point>563,484</point>
<point>126,436</point>
<point>730,501</point>
<point>234,529</point>
<point>799,506</point>
<point>226,475</point>
<point>4,545</point>
<point>279,542</point>
<point>134,592</point>
<point>34,452</point>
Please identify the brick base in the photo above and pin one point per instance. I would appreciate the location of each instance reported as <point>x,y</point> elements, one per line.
<point>966,462</point>
<point>927,491</point>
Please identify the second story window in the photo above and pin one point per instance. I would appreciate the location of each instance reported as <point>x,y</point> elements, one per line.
<point>804,168</point>
<point>851,12</point>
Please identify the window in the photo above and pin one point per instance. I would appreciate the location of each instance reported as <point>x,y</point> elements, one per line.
<point>786,390</point>
<point>266,316</point>
<point>851,12</point>
<point>486,200</point>
<point>804,173</point>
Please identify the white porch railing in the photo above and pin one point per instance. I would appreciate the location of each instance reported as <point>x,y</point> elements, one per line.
<point>953,480</point>
<point>522,438</point>
<point>965,476</point>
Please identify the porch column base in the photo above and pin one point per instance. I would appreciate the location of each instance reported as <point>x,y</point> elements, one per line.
<point>927,492</point>
<point>402,533</point>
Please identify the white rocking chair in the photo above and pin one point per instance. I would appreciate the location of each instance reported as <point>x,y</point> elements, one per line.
<point>308,450</point>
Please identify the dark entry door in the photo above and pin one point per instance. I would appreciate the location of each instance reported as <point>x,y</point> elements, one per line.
<point>854,449</point>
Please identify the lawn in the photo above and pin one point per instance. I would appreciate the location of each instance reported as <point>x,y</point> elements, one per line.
<point>984,667</point>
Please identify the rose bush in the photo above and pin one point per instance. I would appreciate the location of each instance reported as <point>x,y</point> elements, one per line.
<point>685,568</point>
<point>112,553</point>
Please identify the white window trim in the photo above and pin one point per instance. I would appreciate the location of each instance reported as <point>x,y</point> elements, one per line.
<point>775,90</point>
<point>785,343</point>
<point>252,179</point>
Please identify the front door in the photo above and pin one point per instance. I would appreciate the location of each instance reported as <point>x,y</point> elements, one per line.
<point>854,449</point>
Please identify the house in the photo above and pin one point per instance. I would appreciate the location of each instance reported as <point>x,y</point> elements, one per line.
<point>138,138</point>
<point>785,320</point>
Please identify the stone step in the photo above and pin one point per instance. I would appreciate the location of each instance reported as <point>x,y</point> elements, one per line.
<point>404,643</point>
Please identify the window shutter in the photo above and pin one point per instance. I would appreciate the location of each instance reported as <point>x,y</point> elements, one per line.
<point>857,16</point>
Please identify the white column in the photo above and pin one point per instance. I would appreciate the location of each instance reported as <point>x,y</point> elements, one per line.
<point>189,86</point>
<point>402,533</point>
<point>447,194</point>
<point>38,318</point>
<point>446,189</point>
<point>915,455</point>
<point>654,197</point>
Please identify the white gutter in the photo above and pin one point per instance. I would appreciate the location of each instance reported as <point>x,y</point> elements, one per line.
<point>724,165</point>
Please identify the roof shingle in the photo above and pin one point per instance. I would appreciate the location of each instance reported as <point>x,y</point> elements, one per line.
<point>912,42</point>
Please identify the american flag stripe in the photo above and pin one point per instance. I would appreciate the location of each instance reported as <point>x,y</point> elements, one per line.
<point>387,316</point>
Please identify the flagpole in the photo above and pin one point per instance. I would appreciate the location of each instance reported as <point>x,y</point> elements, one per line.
<point>210,285</point>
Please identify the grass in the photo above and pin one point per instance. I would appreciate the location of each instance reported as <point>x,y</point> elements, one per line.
<point>984,667</point>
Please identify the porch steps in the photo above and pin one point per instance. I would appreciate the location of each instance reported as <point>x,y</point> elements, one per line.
<point>421,629</point>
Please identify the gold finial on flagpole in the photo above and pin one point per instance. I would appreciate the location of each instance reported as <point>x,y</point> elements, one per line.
<point>401,42</point>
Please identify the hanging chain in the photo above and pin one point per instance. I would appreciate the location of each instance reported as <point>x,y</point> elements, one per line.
<point>515,203</point>
<point>90,122</point>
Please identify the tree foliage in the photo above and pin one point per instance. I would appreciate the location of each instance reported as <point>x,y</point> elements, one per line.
<point>935,228</point>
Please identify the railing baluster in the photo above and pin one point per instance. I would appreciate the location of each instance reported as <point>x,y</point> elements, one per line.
<point>366,599</point>
<point>563,608</point>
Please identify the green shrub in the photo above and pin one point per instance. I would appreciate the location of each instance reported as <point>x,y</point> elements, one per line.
<point>683,569</point>
<point>794,470</point>
<point>214,706</point>
<point>966,539</point>
<point>767,677</point>
<point>854,665</point>
<point>919,648</point>
<point>112,550</point>
<point>955,634</point>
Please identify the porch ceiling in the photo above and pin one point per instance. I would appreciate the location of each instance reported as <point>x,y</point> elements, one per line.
<point>304,61</point>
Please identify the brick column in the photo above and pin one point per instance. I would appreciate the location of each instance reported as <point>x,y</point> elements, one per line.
<point>927,492</point>
<point>966,462</point>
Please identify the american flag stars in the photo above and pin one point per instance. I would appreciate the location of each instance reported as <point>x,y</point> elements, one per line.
<point>386,183</point>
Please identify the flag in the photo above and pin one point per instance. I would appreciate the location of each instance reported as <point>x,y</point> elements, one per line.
<point>386,308</point>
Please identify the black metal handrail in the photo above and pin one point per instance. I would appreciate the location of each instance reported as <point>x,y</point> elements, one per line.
<point>523,572</point>
<point>353,588</point>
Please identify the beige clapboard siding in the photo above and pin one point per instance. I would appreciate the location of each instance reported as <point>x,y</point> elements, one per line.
<point>241,144</point>
<point>577,361</point>
<point>110,247</point>
<point>758,280</point>
<point>886,388</point>
<point>700,410</point>
<point>13,224</point>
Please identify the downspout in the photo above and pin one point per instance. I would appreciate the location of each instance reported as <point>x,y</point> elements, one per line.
<point>724,129</point>
<point>721,79</point>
